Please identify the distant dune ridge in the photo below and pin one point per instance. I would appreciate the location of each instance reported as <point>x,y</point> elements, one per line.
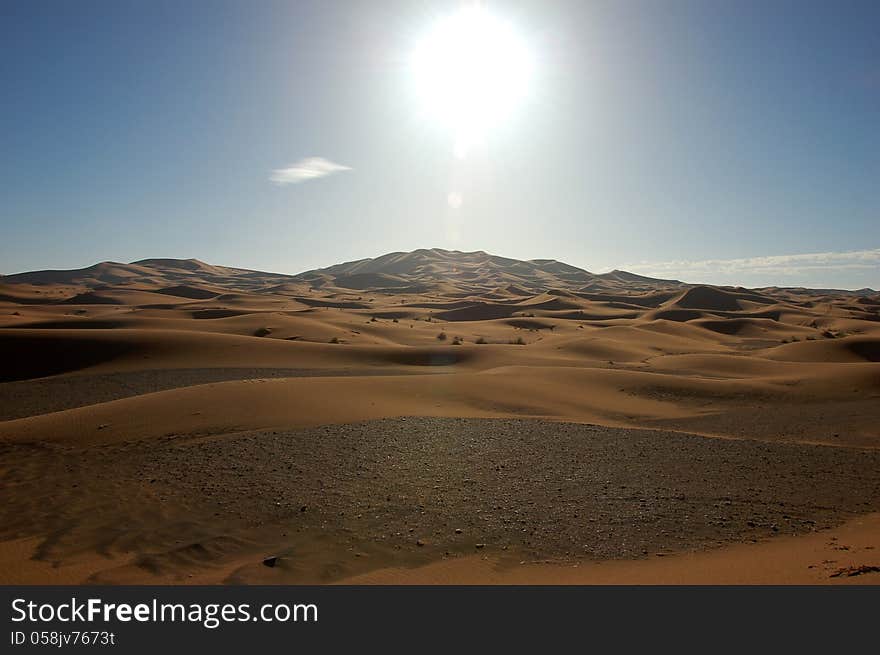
<point>464,271</point>
<point>474,271</point>
<point>126,368</point>
<point>417,270</point>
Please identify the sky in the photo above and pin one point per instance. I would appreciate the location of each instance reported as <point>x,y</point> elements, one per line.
<point>718,142</point>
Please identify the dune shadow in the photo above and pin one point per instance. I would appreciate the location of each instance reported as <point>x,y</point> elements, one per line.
<point>30,356</point>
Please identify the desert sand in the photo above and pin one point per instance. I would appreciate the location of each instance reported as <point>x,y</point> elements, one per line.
<point>434,417</point>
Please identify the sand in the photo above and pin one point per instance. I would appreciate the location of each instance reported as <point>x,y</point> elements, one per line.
<point>179,386</point>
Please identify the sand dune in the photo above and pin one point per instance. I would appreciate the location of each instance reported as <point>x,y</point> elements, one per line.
<point>147,361</point>
<point>847,349</point>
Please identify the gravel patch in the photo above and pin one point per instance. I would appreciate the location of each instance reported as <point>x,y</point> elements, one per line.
<point>440,485</point>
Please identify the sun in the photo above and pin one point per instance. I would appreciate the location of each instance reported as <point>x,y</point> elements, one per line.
<point>471,70</point>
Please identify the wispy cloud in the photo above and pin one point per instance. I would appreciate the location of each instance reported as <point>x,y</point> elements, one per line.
<point>775,267</point>
<point>310,168</point>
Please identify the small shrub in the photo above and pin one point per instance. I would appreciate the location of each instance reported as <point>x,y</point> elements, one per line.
<point>442,336</point>
<point>480,340</point>
<point>518,342</point>
<point>456,341</point>
<point>394,320</point>
<point>335,340</point>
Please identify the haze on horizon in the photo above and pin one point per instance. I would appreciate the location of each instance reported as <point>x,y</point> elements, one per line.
<point>720,144</point>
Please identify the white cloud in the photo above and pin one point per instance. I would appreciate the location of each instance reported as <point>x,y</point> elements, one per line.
<point>776,267</point>
<point>310,168</point>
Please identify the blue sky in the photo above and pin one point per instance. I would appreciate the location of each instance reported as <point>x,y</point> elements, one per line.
<point>726,142</point>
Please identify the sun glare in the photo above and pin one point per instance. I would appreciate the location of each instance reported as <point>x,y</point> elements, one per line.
<point>471,70</point>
